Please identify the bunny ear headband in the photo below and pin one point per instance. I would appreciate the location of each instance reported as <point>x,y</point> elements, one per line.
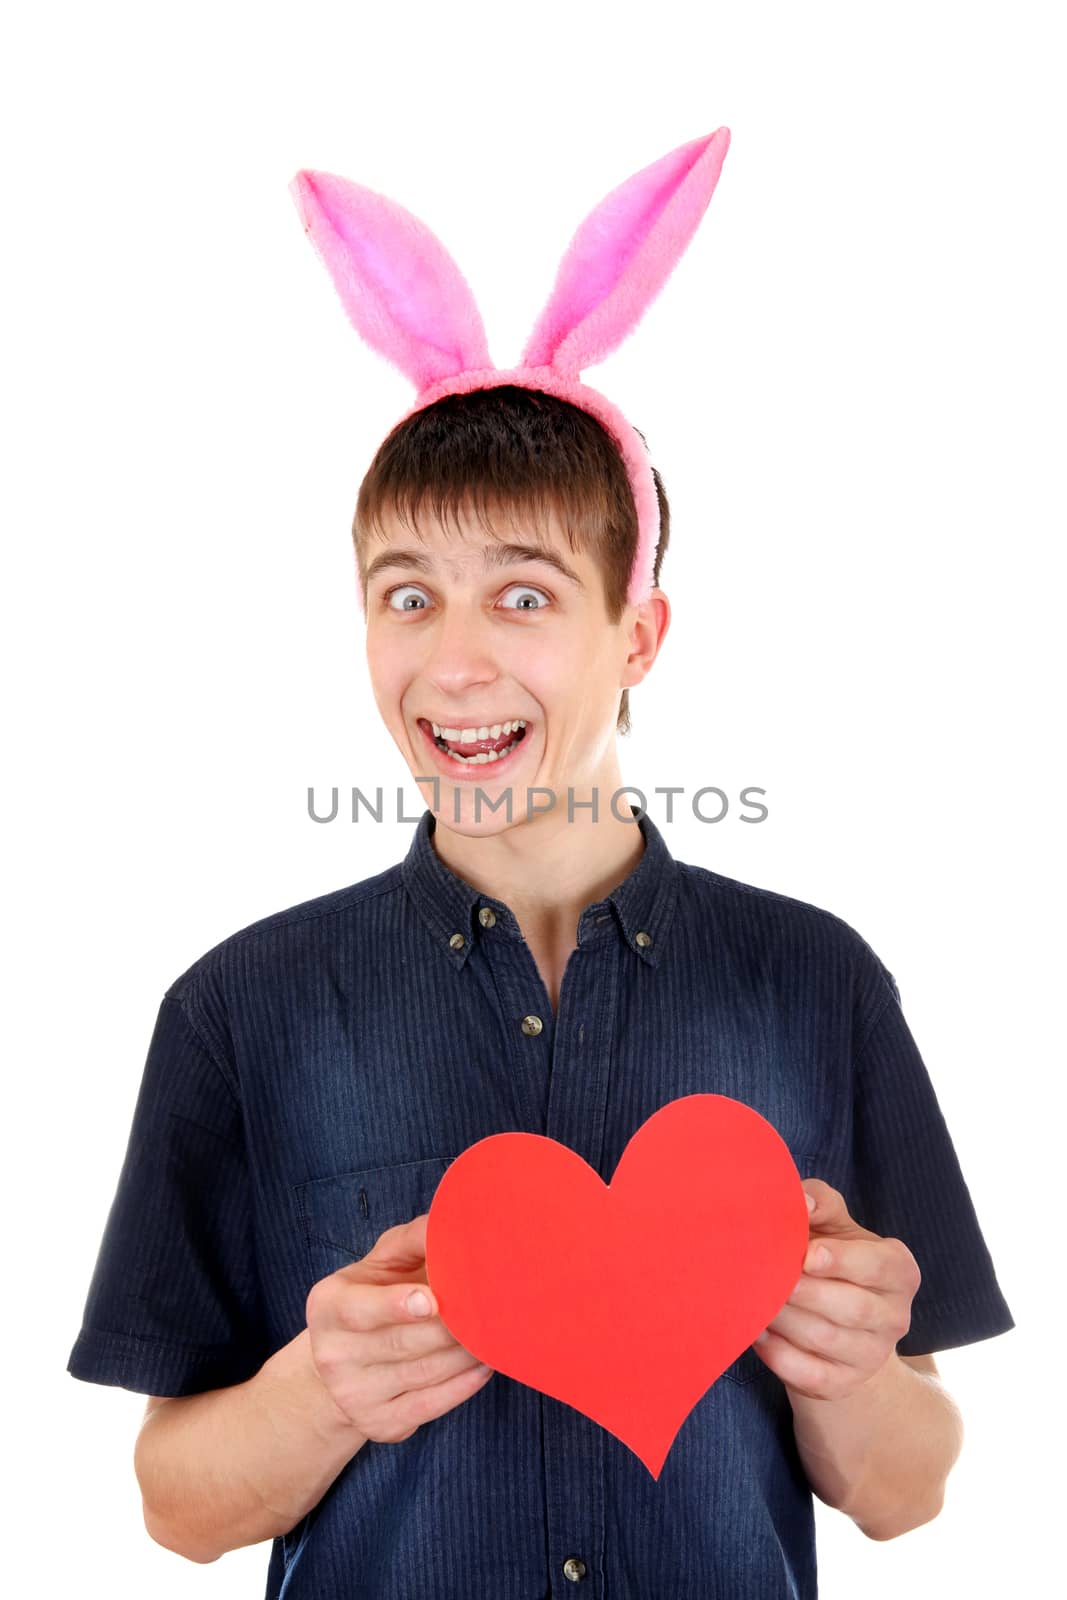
<point>408,299</point>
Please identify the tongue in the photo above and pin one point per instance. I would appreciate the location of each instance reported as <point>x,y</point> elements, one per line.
<point>478,747</point>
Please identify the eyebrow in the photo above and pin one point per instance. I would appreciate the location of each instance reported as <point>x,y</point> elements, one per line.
<point>496,555</point>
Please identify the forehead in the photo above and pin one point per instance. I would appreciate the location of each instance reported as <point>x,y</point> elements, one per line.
<point>468,547</point>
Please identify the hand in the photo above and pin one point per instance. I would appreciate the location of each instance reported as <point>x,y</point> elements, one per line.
<point>388,1369</point>
<point>841,1323</point>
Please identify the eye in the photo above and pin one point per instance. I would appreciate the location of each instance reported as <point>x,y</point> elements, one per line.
<point>527,592</point>
<point>399,590</point>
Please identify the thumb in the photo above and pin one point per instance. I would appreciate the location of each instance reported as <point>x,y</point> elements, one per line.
<point>403,1244</point>
<point>399,1252</point>
<point>418,1302</point>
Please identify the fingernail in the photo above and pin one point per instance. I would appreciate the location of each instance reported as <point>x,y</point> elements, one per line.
<point>760,1337</point>
<point>418,1304</point>
<point>821,1257</point>
<point>811,1202</point>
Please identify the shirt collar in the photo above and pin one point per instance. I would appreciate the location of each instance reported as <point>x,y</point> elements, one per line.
<point>639,911</point>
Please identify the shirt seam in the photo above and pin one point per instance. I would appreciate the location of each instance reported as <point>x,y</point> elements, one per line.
<point>957,1302</point>
<point>223,1138</point>
<point>191,989</point>
<point>202,1351</point>
<point>190,982</point>
<point>736,886</point>
<point>206,1048</point>
<point>869,1034</point>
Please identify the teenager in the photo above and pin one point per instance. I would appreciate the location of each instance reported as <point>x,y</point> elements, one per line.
<point>549,968</point>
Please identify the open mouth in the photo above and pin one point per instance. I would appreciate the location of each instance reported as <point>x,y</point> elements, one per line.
<point>475,752</point>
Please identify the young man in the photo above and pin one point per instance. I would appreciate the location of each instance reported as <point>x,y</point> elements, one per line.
<point>552,969</point>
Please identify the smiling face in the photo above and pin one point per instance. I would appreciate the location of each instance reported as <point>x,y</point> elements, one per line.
<point>474,632</point>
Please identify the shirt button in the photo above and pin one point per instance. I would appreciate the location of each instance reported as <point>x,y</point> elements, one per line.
<point>457,941</point>
<point>532,1025</point>
<point>643,939</point>
<point>574,1569</point>
<point>487,917</point>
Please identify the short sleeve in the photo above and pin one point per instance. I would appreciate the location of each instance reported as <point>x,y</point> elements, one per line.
<point>174,1306</point>
<point>906,1183</point>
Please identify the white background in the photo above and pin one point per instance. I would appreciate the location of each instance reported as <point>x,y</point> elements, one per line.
<point>853,387</point>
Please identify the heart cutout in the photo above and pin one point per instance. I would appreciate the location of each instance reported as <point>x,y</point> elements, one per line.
<point>624,1300</point>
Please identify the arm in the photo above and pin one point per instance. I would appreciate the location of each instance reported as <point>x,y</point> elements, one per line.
<point>882,1453</point>
<point>234,1466</point>
<point>876,1432</point>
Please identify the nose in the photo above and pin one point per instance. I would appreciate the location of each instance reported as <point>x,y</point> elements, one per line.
<point>461,653</point>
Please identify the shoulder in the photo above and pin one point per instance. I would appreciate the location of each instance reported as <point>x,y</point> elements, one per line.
<point>766,907</point>
<point>781,930</point>
<point>277,941</point>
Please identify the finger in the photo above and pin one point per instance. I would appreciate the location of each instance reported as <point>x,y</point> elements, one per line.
<point>422,1371</point>
<point>398,1251</point>
<point>406,1242</point>
<point>802,1370</point>
<point>409,1339</point>
<point>362,1307</point>
<point>849,1347</point>
<point>885,1265</point>
<point>830,1209</point>
<point>416,1406</point>
<point>839,1301</point>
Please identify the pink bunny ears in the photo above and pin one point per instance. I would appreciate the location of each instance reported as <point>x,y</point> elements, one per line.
<point>408,299</point>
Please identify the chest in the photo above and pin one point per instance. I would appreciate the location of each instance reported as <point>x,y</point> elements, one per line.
<point>551,960</point>
<point>583,1049</point>
<point>360,1093</point>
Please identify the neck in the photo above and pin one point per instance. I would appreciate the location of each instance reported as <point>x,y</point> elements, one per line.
<point>547,870</point>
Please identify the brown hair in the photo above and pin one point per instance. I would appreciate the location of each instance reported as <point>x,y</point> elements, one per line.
<point>519,452</point>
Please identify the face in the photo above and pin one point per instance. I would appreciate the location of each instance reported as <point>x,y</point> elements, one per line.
<point>483,630</point>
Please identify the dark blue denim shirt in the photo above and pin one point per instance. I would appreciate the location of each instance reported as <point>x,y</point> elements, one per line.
<point>311,1077</point>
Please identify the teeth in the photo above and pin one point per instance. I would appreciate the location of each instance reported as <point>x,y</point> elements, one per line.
<point>469,735</point>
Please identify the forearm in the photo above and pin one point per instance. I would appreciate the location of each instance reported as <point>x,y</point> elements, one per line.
<point>234,1466</point>
<point>881,1454</point>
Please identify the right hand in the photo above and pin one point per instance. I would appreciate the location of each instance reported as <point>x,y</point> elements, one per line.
<point>388,1369</point>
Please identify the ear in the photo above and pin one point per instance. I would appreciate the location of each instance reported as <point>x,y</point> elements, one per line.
<point>623,254</point>
<point>400,287</point>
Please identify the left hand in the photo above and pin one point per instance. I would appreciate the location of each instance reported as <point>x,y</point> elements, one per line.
<point>841,1323</point>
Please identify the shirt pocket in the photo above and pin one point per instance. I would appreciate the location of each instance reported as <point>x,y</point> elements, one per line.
<point>343,1216</point>
<point>747,1367</point>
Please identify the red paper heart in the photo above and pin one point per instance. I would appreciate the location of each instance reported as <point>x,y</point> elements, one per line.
<point>624,1300</point>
